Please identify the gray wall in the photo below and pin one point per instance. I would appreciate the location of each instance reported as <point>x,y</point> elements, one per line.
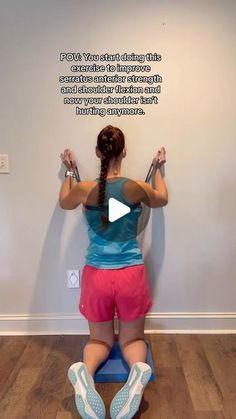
<point>188,246</point>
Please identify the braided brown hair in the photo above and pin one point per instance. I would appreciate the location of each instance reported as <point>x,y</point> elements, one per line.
<point>110,142</point>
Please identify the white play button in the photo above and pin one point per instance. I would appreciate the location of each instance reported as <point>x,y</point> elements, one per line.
<point>117,209</point>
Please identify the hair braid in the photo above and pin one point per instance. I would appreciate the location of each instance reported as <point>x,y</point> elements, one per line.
<point>102,185</point>
<point>110,143</point>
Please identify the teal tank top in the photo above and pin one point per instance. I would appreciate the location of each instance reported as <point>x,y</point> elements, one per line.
<point>109,250</point>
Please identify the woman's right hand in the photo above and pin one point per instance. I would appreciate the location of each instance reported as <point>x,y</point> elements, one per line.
<point>66,158</point>
<point>160,158</point>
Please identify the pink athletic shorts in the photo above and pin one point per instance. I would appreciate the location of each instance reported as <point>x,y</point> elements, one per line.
<point>124,290</point>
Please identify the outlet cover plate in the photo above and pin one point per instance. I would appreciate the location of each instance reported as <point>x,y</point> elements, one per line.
<point>73,278</point>
<point>4,163</point>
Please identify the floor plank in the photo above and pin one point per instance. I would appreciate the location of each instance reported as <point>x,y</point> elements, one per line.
<point>63,415</point>
<point>13,404</point>
<point>164,350</point>
<point>221,353</point>
<point>12,349</point>
<point>168,397</point>
<point>209,415</point>
<point>205,392</point>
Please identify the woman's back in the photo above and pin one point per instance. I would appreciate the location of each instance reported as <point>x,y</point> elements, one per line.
<point>115,245</point>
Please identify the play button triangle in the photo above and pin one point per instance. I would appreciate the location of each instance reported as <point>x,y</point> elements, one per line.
<point>116,209</point>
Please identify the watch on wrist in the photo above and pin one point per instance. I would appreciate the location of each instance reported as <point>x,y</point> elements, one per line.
<point>69,173</point>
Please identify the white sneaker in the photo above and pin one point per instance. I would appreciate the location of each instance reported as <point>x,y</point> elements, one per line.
<point>88,401</point>
<point>126,402</point>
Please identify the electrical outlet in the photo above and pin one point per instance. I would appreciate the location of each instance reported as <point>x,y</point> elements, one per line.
<point>73,278</point>
<point>4,163</point>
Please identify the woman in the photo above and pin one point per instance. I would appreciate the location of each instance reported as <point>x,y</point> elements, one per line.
<point>114,276</point>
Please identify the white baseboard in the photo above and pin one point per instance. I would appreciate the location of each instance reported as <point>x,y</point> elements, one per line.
<point>169,322</point>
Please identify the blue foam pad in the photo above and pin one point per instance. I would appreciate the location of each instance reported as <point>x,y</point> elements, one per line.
<point>115,368</point>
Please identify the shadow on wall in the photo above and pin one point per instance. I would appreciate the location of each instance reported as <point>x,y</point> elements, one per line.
<point>58,254</point>
<point>49,264</point>
<point>154,256</point>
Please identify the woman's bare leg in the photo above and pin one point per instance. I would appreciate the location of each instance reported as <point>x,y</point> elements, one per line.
<point>99,345</point>
<point>132,341</point>
<point>133,346</point>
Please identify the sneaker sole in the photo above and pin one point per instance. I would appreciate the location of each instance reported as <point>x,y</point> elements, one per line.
<point>88,401</point>
<point>126,402</point>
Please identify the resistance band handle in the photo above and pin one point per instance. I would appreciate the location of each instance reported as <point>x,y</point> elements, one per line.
<point>149,172</point>
<point>75,170</point>
<point>152,167</point>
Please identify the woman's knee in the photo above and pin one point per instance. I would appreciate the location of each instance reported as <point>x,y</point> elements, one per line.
<point>102,332</point>
<point>131,331</point>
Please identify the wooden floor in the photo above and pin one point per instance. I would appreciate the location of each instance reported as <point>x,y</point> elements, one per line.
<point>195,377</point>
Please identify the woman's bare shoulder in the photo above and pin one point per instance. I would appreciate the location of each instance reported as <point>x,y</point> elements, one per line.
<point>134,190</point>
<point>86,184</point>
<point>140,182</point>
<point>136,183</point>
<point>84,189</point>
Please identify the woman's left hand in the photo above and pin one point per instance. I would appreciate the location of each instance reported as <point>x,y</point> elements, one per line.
<point>66,158</point>
<point>160,158</point>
